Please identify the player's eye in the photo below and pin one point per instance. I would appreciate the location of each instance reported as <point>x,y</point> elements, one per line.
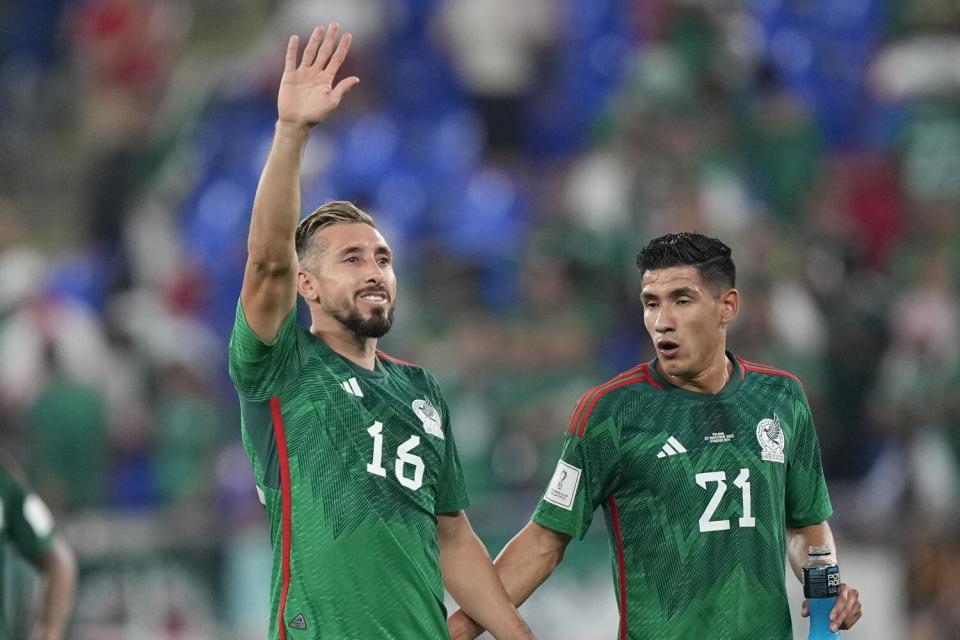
<point>383,261</point>
<point>352,259</point>
<point>651,305</point>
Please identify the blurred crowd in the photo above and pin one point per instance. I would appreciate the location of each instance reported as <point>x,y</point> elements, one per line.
<point>516,155</point>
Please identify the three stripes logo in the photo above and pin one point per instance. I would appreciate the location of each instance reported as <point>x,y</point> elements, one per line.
<point>671,448</point>
<point>351,387</point>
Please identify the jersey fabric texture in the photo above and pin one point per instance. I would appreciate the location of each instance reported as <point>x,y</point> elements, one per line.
<point>352,466</point>
<point>697,491</point>
<point>25,524</point>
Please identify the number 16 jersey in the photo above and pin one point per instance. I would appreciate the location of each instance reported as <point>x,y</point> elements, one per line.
<point>352,467</point>
<point>697,491</point>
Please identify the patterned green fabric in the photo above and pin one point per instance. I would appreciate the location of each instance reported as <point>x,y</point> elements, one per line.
<point>25,524</point>
<point>371,460</point>
<point>698,491</point>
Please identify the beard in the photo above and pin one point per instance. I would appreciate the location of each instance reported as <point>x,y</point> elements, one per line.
<point>376,326</point>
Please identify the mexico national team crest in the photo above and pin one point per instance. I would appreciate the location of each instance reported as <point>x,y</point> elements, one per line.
<point>771,439</point>
<point>429,416</point>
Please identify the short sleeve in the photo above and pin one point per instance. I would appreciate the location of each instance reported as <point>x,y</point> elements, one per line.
<point>587,473</point>
<point>257,368</point>
<point>452,488</point>
<point>28,520</point>
<point>807,499</point>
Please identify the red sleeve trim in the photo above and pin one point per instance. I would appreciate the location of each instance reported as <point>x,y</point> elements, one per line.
<point>756,367</point>
<point>579,425</point>
<point>286,508</point>
<point>621,566</point>
<point>389,358</point>
<point>585,398</point>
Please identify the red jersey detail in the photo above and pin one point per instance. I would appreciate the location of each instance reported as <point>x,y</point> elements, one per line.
<point>286,508</point>
<point>767,369</point>
<point>589,408</point>
<point>578,409</point>
<point>621,567</point>
<point>389,358</point>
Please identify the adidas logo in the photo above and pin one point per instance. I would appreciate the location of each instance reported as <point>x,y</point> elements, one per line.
<point>351,387</point>
<point>298,622</point>
<point>672,448</point>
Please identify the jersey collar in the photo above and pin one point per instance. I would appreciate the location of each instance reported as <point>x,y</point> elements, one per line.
<point>736,379</point>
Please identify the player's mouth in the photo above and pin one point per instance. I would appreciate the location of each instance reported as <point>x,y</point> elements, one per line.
<point>374,296</point>
<point>668,348</point>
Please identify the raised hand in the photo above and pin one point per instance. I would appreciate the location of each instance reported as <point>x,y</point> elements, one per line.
<point>307,93</point>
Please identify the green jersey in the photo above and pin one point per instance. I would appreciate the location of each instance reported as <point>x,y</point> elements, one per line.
<point>697,491</point>
<point>25,524</point>
<point>352,466</point>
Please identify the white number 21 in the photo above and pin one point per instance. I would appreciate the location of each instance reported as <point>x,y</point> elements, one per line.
<point>404,457</point>
<point>720,477</point>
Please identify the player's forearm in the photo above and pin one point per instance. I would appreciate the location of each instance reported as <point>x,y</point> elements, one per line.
<point>472,581</point>
<point>523,565</point>
<point>58,570</point>
<point>798,541</point>
<point>528,560</point>
<point>276,207</point>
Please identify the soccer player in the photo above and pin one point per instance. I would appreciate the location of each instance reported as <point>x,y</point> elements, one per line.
<point>26,524</point>
<point>706,466</point>
<point>352,450</point>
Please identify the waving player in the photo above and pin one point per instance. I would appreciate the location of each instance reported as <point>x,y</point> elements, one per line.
<point>352,450</point>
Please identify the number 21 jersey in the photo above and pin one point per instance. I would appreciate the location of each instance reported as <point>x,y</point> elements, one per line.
<point>697,491</point>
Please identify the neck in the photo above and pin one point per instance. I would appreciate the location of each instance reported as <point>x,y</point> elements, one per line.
<point>361,351</point>
<point>711,380</point>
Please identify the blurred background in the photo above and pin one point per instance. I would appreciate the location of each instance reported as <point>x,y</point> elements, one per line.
<point>516,154</point>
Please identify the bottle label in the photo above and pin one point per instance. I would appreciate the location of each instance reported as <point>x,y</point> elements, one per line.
<point>821,582</point>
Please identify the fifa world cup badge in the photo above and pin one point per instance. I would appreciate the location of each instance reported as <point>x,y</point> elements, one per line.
<point>771,439</point>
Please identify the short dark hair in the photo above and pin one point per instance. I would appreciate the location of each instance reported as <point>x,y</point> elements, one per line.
<point>710,256</point>
<point>334,212</point>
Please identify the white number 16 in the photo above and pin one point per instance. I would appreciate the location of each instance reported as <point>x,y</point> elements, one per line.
<point>404,457</point>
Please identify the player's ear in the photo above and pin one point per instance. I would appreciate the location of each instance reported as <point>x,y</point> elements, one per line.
<point>729,305</point>
<point>306,286</point>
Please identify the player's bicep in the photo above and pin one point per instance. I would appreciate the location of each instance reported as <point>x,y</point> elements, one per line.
<point>257,367</point>
<point>586,474</point>
<point>268,293</point>
<point>807,498</point>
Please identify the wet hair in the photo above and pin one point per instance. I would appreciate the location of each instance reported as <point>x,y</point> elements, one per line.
<point>335,212</point>
<point>710,256</point>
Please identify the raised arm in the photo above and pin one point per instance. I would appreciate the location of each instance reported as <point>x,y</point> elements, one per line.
<point>58,573</point>
<point>306,97</point>
<point>523,565</point>
<point>848,609</point>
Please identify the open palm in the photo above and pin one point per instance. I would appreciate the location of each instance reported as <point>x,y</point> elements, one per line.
<point>307,92</point>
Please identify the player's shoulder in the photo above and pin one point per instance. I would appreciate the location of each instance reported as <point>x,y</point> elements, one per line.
<point>603,400</point>
<point>762,373</point>
<point>410,370</point>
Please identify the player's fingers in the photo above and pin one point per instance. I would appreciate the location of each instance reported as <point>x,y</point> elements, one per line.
<point>330,39</point>
<point>313,45</point>
<point>290,62</point>
<point>843,612</point>
<point>805,609</point>
<point>852,619</point>
<point>339,55</point>
<point>343,87</point>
